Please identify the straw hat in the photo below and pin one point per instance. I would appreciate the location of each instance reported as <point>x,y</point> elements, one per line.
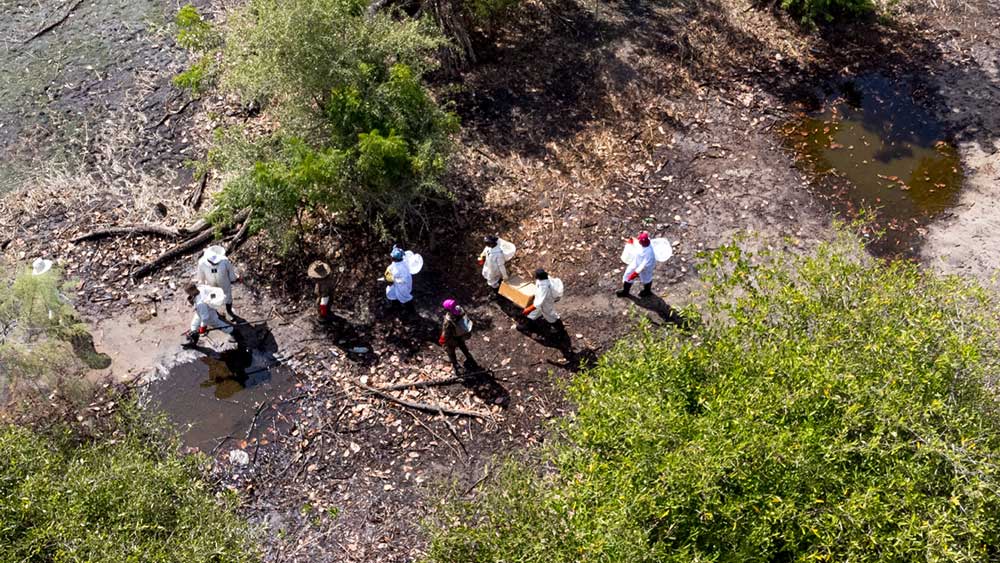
<point>215,254</point>
<point>319,270</point>
<point>40,266</point>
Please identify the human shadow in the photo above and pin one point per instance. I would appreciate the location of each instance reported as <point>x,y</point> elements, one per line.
<point>482,382</point>
<point>665,313</point>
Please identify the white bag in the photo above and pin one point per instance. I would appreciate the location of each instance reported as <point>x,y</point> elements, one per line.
<point>556,285</point>
<point>414,261</point>
<point>662,249</point>
<point>632,248</point>
<point>507,247</point>
<point>212,296</point>
<point>463,326</point>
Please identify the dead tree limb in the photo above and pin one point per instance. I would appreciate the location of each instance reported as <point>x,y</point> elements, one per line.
<point>181,249</point>
<point>422,384</point>
<point>156,230</point>
<point>55,24</point>
<point>425,407</point>
<point>194,200</point>
<point>241,235</point>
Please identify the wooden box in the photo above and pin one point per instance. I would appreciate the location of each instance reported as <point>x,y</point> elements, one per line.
<point>518,291</point>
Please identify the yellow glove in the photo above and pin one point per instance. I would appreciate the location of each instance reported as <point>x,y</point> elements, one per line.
<point>388,276</point>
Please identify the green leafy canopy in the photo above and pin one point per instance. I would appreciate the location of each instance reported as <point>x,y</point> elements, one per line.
<point>832,408</point>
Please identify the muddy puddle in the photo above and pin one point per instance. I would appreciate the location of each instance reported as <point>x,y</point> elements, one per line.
<point>215,396</point>
<point>872,145</point>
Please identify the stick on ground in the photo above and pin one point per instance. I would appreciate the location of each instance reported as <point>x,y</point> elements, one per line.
<point>156,230</point>
<point>434,409</point>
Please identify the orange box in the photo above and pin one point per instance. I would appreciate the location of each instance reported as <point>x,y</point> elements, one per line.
<point>518,291</point>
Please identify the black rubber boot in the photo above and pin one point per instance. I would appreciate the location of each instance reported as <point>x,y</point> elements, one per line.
<point>624,291</point>
<point>647,290</point>
<point>191,341</point>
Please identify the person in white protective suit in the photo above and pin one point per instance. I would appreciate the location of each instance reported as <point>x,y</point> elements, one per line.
<point>493,262</point>
<point>642,267</point>
<point>216,270</point>
<point>400,281</point>
<point>205,317</point>
<point>544,303</point>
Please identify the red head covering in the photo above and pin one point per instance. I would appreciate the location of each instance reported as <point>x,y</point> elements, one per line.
<point>644,238</point>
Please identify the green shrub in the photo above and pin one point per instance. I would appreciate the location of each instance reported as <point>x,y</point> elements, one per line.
<point>125,498</point>
<point>357,135</point>
<point>832,408</point>
<point>812,11</point>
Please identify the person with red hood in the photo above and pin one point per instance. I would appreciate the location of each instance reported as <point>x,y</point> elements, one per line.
<point>641,268</point>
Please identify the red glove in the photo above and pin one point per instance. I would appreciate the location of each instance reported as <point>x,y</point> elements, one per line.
<point>441,340</point>
<point>633,275</point>
<point>481,261</point>
<point>528,310</point>
<point>323,310</point>
<point>202,330</point>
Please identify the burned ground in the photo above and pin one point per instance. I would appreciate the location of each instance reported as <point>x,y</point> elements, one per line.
<point>641,115</point>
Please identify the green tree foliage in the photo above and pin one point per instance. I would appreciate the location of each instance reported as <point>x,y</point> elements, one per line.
<point>39,331</point>
<point>832,408</point>
<point>357,134</point>
<point>126,498</point>
<point>811,12</point>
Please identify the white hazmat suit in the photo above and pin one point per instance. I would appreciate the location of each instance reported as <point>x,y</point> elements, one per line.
<point>400,282</point>
<point>644,263</point>
<point>221,274</point>
<point>544,303</point>
<point>206,316</point>
<point>494,267</point>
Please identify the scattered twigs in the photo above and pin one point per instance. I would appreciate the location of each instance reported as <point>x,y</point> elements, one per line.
<point>422,384</point>
<point>486,475</point>
<point>156,230</point>
<point>253,423</point>
<point>454,434</point>
<point>223,440</point>
<point>433,433</point>
<point>54,24</point>
<point>425,407</point>
<point>170,114</point>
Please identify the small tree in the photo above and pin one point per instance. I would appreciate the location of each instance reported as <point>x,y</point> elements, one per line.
<point>357,135</point>
<point>811,12</point>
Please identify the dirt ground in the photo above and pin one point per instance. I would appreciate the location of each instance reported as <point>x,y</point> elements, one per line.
<point>638,116</point>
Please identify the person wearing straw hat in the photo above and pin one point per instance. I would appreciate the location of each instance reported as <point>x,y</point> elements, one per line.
<point>493,261</point>
<point>216,270</point>
<point>640,268</point>
<point>206,318</point>
<point>320,272</point>
<point>455,330</point>
<point>400,281</point>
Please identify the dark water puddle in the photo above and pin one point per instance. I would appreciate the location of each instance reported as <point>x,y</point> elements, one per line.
<point>871,145</point>
<point>216,396</point>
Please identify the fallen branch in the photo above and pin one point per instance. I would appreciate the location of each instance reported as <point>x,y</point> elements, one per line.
<point>434,409</point>
<point>130,230</point>
<point>253,423</point>
<point>422,384</point>
<point>194,200</point>
<point>241,235</point>
<point>54,25</point>
<point>181,249</point>
<point>170,114</point>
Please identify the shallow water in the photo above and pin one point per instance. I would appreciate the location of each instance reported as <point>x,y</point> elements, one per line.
<point>214,397</point>
<point>874,146</point>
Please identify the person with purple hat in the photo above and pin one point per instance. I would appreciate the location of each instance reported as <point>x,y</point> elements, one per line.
<point>455,330</point>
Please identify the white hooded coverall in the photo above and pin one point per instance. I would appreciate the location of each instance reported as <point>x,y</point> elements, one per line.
<point>494,268</point>
<point>545,303</point>
<point>402,282</point>
<point>205,316</point>
<point>221,275</point>
<point>644,263</point>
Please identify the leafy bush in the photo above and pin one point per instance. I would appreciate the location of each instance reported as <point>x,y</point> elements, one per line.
<point>356,134</point>
<point>40,333</point>
<point>812,11</point>
<point>127,498</point>
<point>833,408</point>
